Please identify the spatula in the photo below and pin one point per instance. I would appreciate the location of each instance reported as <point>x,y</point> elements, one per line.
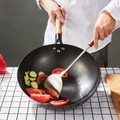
<point>53,83</point>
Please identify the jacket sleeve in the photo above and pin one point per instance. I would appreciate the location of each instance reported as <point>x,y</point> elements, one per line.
<point>114,9</point>
<point>40,4</point>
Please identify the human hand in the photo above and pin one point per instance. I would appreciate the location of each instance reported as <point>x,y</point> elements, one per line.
<point>54,10</point>
<point>103,27</point>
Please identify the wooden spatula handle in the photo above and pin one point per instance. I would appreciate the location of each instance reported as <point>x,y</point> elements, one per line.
<point>91,43</point>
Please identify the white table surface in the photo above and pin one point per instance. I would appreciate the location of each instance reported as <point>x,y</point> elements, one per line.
<point>14,105</point>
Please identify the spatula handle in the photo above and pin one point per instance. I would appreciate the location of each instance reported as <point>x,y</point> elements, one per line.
<point>91,43</point>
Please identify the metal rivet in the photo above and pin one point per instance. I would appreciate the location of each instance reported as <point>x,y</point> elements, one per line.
<point>62,48</point>
<point>58,51</point>
<point>54,48</point>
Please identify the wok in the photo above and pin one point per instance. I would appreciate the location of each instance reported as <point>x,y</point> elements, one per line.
<point>83,77</point>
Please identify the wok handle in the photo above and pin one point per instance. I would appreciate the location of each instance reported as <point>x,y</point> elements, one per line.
<point>58,26</point>
<point>58,31</point>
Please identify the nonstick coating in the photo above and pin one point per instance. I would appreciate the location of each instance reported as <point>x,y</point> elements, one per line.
<point>84,75</point>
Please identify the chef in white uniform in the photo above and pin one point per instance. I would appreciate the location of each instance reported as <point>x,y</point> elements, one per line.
<point>83,20</point>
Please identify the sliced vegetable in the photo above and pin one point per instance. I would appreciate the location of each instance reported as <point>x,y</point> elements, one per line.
<point>54,94</point>
<point>41,78</point>
<point>58,71</point>
<point>40,98</point>
<point>27,81</point>
<point>43,91</point>
<point>40,73</point>
<point>32,79</point>
<point>26,73</point>
<point>33,74</point>
<point>60,102</point>
<point>33,91</point>
<point>47,103</point>
<point>34,85</point>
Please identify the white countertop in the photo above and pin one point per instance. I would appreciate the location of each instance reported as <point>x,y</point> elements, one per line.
<point>14,105</point>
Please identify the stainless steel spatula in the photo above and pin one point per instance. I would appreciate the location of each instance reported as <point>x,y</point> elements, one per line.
<point>53,83</point>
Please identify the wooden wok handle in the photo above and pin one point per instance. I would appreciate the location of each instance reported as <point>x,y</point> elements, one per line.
<point>58,32</point>
<point>58,26</point>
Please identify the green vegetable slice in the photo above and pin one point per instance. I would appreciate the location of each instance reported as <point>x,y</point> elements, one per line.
<point>32,74</point>
<point>27,76</point>
<point>34,85</point>
<point>27,81</point>
<point>32,79</point>
<point>40,73</point>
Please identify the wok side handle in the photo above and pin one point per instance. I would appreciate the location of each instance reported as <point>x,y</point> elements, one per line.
<point>58,32</point>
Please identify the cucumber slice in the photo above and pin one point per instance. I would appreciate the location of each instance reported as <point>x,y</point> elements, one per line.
<point>34,85</point>
<point>40,73</point>
<point>32,79</point>
<point>32,74</point>
<point>27,81</point>
<point>27,76</point>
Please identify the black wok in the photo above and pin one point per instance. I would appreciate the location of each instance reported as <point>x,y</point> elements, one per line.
<point>83,77</point>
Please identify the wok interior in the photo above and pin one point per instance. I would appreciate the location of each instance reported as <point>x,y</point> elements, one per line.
<point>83,77</point>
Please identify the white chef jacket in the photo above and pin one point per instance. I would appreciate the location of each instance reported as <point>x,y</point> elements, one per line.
<point>80,18</point>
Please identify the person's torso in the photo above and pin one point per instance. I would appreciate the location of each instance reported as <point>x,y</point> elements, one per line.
<point>79,23</point>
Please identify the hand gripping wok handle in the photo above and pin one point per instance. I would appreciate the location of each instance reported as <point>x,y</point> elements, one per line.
<point>58,31</point>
